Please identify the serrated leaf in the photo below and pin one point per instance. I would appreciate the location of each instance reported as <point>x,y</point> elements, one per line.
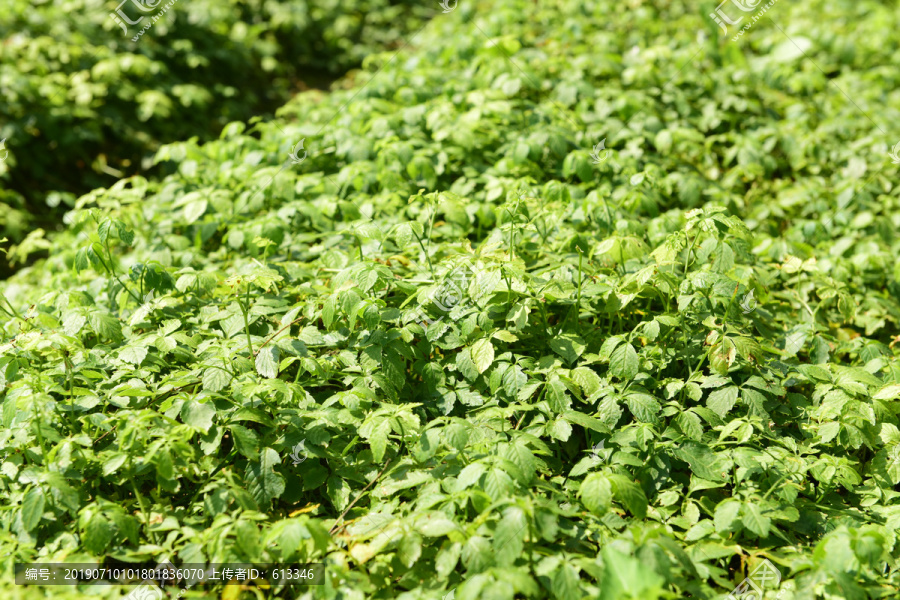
<point>722,400</point>
<point>889,392</point>
<point>106,326</point>
<point>246,441</point>
<point>627,577</point>
<point>509,536</point>
<point>73,323</point>
<point>690,425</point>
<point>754,520</point>
<point>514,379</point>
<point>133,354</point>
<point>587,380</point>
<point>112,465</point>
<point>198,415</point>
<point>97,534</point>
<point>465,364</point>
<point>32,508</point>
<point>726,514</point>
<point>263,483</point>
<point>482,354</point>
<point>596,493</point>
<point>565,583</point>
<point>215,379</point>
<point>630,495</point>
<point>377,436</point>
<point>623,363</point>
<point>267,362</point>
<point>569,346</point>
<point>124,233</point>
<point>643,406</point>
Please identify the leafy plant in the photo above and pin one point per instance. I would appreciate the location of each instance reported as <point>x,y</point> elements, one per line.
<point>510,372</point>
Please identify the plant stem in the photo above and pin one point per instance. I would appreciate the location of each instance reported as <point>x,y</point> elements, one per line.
<point>40,436</point>
<point>115,276</point>
<point>245,309</point>
<point>70,378</point>
<point>271,337</point>
<point>13,308</point>
<point>688,253</point>
<point>140,499</point>
<point>424,251</point>
<point>580,281</point>
<point>358,497</point>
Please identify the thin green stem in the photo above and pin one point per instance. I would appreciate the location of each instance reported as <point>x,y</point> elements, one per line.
<point>688,253</point>
<point>40,436</point>
<point>115,276</point>
<point>580,280</point>
<point>12,308</point>
<point>143,503</point>
<point>772,489</point>
<point>245,309</point>
<point>425,252</point>
<point>71,383</point>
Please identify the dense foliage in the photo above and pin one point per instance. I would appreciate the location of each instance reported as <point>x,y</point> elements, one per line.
<point>447,351</point>
<point>84,104</point>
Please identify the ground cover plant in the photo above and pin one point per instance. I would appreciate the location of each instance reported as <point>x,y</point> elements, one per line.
<point>569,300</point>
<point>89,94</point>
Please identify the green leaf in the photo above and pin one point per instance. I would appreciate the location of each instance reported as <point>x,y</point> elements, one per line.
<point>123,233</point>
<point>701,459</point>
<point>790,49</point>
<point>465,364</point>
<point>81,262</point>
<point>263,483</point>
<point>587,380</point>
<point>32,508</point>
<point>566,583</point>
<point>246,441</point>
<point>887,462</point>
<point>690,425</point>
<point>754,520</point>
<point>557,396</point>
<point>569,346</point>
<point>726,514</point>
<point>596,494</point>
<point>73,323</point>
<point>447,559</point>
<point>97,534</point>
<point>409,549</point>
<point>609,346</point>
<point>623,363</point>
<point>103,230</point>
<point>215,379</point>
<point>630,495</point>
<point>586,421</point>
<point>194,210</point>
<point>377,436</point>
<point>888,392</point>
<point>198,415</point>
<point>267,362</point>
<point>483,354</point>
<point>292,537</point>
<point>133,354</point>
<point>113,463</point>
<point>722,400</point>
<point>106,326</point>
<point>627,577</point>
<point>437,525</point>
<point>509,536</point>
<point>643,406</point>
<point>514,379</point>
